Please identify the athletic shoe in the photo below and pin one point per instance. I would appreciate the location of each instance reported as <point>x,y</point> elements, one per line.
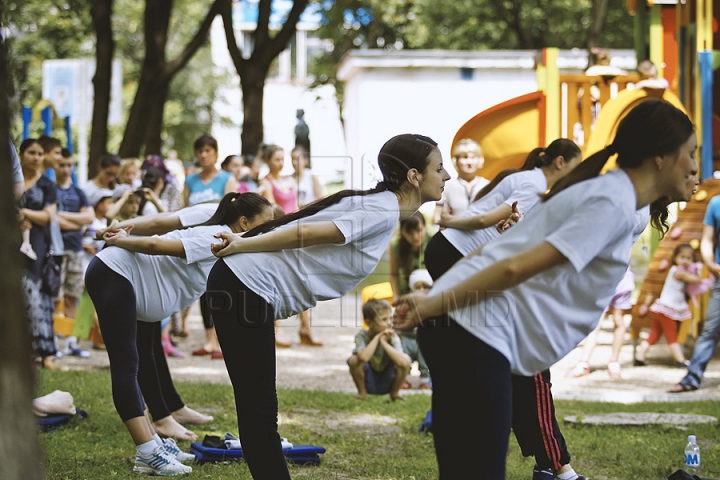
<point>77,352</point>
<point>546,474</point>
<point>172,448</point>
<point>160,462</point>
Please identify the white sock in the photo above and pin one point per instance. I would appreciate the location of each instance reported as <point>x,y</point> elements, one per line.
<point>70,343</point>
<point>569,475</point>
<point>158,440</point>
<point>147,448</point>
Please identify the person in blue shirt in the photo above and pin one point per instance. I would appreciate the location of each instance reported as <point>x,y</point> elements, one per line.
<point>74,213</point>
<point>708,340</point>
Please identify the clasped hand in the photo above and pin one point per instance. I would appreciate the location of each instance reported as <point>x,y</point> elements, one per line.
<point>230,243</point>
<point>408,311</point>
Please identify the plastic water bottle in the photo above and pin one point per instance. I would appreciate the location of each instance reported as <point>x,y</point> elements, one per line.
<point>692,456</point>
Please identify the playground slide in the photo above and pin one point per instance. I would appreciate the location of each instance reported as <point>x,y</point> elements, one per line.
<point>506,132</point>
<point>615,110</point>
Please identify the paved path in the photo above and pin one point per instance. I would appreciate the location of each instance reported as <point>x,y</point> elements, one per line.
<point>336,323</point>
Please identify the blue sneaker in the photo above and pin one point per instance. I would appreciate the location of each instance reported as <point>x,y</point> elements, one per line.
<point>172,448</point>
<point>546,474</point>
<point>160,462</point>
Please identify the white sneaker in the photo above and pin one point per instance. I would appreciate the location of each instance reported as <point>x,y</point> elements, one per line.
<point>160,462</point>
<point>172,448</point>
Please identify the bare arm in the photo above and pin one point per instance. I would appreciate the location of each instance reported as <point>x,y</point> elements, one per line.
<point>707,250</point>
<point>303,235</point>
<point>399,358</point>
<point>115,208</point>
<point>231,185</point>
<point>365,354</point>
<point>477,222</point>
<point>687,277</point>
<point>394,274</point>
<point>76,220</point>
<point>497,277</point>
<point>186,195</point>
<point>156,224</point>
<point>40,217</point>
<point>265,189</point>
<point>18,189</point>
<point>148,245</point>
<point>317,187</point>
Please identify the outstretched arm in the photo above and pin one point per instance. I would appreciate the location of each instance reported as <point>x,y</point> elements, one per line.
<point>499,276</point>
<point>476,222</point>
<point>156,224</point>
<point>148,245</point>
<point>303,235</point>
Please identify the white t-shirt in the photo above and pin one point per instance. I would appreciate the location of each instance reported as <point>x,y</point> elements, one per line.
<point>95,193</point>
<point>165,284</point>
<point>522,187</point>
<point>455,196</point>
<point>196,214</point>
<point>536,323</point>
<point>294,280</point>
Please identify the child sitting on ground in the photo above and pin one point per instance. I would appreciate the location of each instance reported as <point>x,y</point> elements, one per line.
<point>378,364</point>
<point>672,306</point>
<point>420,281</point>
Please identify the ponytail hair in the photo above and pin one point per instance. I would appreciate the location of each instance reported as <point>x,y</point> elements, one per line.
<point>537,158</point>
<point>236,205</point>
<point>653,128</point>
<point>399,155</point>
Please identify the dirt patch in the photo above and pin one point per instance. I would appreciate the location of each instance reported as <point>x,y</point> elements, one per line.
<point>341,422</point>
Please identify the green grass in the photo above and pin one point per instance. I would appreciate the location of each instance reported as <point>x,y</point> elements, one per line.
<point>372,439</point>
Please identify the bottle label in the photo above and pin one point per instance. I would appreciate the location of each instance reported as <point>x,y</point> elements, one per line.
<point>692,459</point>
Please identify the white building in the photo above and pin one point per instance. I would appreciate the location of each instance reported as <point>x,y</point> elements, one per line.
<point>431,92</point>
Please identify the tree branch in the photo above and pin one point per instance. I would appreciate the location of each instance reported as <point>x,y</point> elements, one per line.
<point>181,60</point>
<point>273,48</point>
<point>262,28</point>
<point>235,52</point>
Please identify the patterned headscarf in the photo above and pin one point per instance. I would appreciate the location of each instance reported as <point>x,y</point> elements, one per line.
<point>157,162</point>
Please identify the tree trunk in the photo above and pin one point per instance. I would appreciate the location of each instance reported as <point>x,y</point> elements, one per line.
<point>101,11</point>
<point>253,90</point>
<point>141,110</point>
<point>597,19</point>
<point>20,454</point>
<point>145,123</point>
<point>153,133</point>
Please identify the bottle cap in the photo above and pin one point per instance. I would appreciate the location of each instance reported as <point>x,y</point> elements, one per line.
<point>691,439</point>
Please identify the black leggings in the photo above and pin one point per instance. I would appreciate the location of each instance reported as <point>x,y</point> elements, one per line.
<point>154,376</point>
<point>245,326</point>
<point>114,300</point>
<point>533,410</point>
<point>440,255</point>
<point>471,402</point>
<point>205,312</point>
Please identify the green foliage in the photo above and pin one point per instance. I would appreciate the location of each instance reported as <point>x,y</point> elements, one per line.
<point>65,30</point>
<point>371,439</point>
<point>461,25</point>
<point>42,30</point>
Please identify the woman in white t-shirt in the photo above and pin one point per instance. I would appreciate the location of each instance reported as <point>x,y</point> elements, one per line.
<point>529,297</point>
<point>319,253</point>
<point>524,186</point>
<point>147,279</point>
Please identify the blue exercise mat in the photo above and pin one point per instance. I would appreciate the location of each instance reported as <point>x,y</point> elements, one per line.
<point>51,422</point>
<point>427,423</point>
<point>297,454</point>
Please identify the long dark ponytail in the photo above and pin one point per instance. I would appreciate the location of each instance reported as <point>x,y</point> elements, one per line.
<point>538,157</point>
<point>236,205</point>
<point>653,128</point>
<point>399,154</point>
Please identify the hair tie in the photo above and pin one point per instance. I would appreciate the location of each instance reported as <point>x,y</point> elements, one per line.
<point>611,149</point>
